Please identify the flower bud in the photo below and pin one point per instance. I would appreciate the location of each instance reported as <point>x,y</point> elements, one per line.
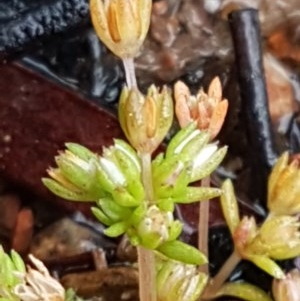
<point>76,175</point>
<point>121,25</point>
<point>145,120</point>
<point>208,110</point>
<point>287,289</point>
<point>278,238</point>
<point>154,228</point>
<point>283,187</point>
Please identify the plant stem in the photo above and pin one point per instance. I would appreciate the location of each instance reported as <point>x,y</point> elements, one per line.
<point>130,73</point>
<point>146,259</point>
<point>147,283</point>
<point>147,176</point>
<point>203,226</point>
<point>222,275</point>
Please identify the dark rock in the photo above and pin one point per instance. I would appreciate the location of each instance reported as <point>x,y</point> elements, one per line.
<point>36,119</point>
<point>24,21</point>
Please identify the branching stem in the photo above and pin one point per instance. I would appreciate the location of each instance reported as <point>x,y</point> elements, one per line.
<point>225,271</point>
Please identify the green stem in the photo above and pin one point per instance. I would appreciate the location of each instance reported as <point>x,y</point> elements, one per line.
<point>146,259</point>
<point>203,227</point>
<point>225,271</point>
<point>130,73</point>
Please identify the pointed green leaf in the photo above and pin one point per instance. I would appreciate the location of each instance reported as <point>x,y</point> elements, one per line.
<point>101,216</point>
<point>166,204</point>
<point>80,151</point>
<point>18,262</point>
<point>78,176</point>
<point>124,198</point>
<point>209,166</point>
<point>180,251</point>
<point>268,265</point>
<point>116,230</point>
<point>194,146</point>
<point>175,230</point>
<point>138,214</point>
<point>65,193</point>
<point>196,194</point>
<point>157,161</point>
<point>179,138</point>
<point>113,210</point>
<point>244,291</point>
<point>230,206</point>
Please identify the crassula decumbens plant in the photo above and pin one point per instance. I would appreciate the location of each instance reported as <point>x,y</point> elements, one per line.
<point>134,191</point>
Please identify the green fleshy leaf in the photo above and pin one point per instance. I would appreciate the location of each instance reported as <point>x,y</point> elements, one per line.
<point>101,216</point>
<point>166,205</point>
<point>157,161</point>
<point>125,153</point>
<point>268,265</point>
<point>116,230</point>
<point>163,274</point>
<point>134,240</point>
<point>138,214</point>
<point>104,181</point>
<point>175,230</point>
<point>65,193</point>
<point>113,210</point>
<point>193,147</point>
<point>244,291</point>
<point>196,194</point>
<point>150,240</point>
<point>179,137</point>
<point>124,198</point>
<point>173,186</point>
<point>209,166</point>
<point>80,151</point>
<point>18,262</point>
<point>83,179</point>
<point>229,206</point>
<point>182,252</point>
<point>8,269</point>
<point>166,168</point>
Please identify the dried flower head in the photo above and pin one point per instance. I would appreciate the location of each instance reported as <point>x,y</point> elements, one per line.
<point>121,25</point>
<point>208,110</point>
<point>145,120</point>
<point>287,289</point>
<point>284,187</point>
<point>39,285</point>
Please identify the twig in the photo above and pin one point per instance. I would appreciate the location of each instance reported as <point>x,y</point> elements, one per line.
<point>246,36</point>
